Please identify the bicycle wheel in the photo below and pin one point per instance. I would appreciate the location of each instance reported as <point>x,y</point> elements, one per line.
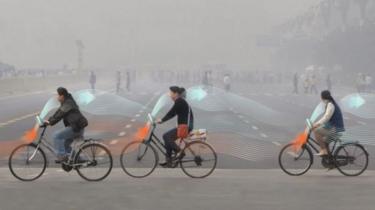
<point>199,161</point>
<point>295,162</point>
<point>93,162</point>
<point>138,159</point>
<point>351,159</point>
<point>27,162</point>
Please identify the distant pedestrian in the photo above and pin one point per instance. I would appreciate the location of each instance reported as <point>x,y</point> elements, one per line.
<point>205,79</point>
<point>127,81</point>
<point>295,83</point>
<point>306,84</point>
<point>313,83</point>
<point>118,82</point>
<point>92,80</point>
<point>227,82</point>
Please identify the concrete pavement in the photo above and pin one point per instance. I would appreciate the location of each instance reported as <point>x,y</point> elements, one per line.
<point>171,189</point>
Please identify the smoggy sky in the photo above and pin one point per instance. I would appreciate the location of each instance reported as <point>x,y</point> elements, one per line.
<point>42,33</point>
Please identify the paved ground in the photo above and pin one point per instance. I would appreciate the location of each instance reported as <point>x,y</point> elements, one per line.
<point>242,141</point>
<point>171,189</point>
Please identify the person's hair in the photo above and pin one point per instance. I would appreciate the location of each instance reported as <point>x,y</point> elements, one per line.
<point>326,95</point>
<point>182,92</point>
<point>63,92</point>
<point>176,89</point>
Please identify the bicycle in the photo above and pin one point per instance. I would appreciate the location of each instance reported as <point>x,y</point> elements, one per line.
<point>139,158</point>
<point>91,159</point>
<point>349,158</point>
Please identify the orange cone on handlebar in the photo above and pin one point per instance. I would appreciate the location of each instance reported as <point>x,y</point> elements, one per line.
<point>31,134</point>
<point>142,132</point>
<point>299,141</point>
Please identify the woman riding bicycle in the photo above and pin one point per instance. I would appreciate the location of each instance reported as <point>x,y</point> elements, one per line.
<point>330,124</point>
<point>74,123</point>
<point>185,122</point>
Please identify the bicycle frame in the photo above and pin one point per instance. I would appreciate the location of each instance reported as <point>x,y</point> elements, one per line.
<point>312,143</point>
<point>41,142</point>
<point>158,143</point>
<point>154,140</point>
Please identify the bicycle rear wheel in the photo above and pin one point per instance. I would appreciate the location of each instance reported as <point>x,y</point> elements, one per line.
<point>138,159</point>
<point>27,162</point>
<point>93,162</point>
<point>200,160</point>
<point>295,162</point>
<point>351,159</point>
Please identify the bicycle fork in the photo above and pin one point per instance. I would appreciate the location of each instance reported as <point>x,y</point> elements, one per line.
<point>34,153</point>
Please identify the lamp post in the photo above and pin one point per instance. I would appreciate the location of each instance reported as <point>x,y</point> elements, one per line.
<point>80,48</point>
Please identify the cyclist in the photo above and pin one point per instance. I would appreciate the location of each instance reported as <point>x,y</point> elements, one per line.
<point>185,120</point>
<point>74,123</point>
<point>329,124</point>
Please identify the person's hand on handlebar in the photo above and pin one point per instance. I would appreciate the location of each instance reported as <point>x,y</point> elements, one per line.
<point>45,123</point>
<point>159,121</point>
<point>315,126</point>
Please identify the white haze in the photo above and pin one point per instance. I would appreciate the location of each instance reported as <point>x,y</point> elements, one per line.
<point>42,33</point>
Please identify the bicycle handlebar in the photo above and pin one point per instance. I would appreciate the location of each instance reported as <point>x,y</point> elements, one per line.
<point>44,125</point>
<point>152,120</point>
<point>309,124</point>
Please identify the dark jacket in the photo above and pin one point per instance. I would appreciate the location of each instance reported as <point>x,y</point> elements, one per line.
<point>337,119</point>
<point>70,114</point>
<point>181,109</point>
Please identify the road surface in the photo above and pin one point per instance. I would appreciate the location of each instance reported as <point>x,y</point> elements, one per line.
<point>171,189</point>
<point>241,141</point>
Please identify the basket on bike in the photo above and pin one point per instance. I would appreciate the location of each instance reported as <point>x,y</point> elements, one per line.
<point>198,135</point>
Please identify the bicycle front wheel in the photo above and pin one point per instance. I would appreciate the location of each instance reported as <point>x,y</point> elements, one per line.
<point>93,162</point>
<point>27,162</point>
<point>138,159</point>
<point>199,161</point>
<point>351,159</point>
<point>295,162</point>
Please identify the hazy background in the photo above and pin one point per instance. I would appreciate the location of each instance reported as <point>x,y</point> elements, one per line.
<point>42,33</point>
<point>253,69</point>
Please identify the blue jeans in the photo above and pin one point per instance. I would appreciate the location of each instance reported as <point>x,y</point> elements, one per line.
<point>63,139</point>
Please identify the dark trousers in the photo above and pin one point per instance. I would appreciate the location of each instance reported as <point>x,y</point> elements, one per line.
<point>169,138</point>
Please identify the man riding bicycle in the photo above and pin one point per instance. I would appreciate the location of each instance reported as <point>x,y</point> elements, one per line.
<point>330,124</point>
<point>185,122</point>
<point>74,122</point>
